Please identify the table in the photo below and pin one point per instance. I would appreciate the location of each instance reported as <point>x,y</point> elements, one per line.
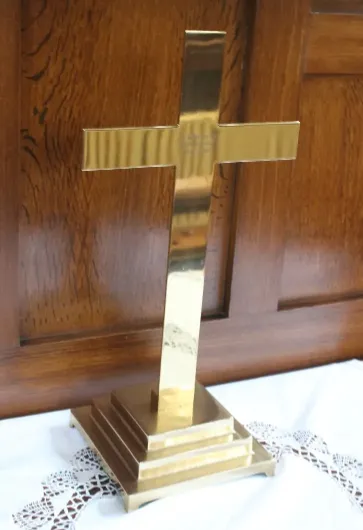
<point>312,420</point>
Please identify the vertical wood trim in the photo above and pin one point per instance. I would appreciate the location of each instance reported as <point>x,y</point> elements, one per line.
<point>9,169</point>
<point>272,94</point>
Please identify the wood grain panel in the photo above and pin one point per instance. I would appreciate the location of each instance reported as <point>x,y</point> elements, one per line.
<point>337,6</point>
<point>335,45</point>
<point>68,373</point>
<point>324,254</point>
<point>9,170</point>
<point>272,94</point>
<point>93,246</point>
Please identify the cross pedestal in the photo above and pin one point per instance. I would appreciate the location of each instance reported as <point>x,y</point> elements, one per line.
<point>159,439</point>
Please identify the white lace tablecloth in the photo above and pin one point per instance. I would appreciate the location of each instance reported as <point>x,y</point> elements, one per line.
<point>311,420</point>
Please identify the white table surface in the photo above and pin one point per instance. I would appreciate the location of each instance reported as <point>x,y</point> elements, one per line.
<point>312,420</point>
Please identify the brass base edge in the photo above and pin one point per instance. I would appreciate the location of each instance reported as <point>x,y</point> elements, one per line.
<point>138,493</point>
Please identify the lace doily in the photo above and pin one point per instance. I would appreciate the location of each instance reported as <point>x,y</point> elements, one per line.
<point>86,481</point>
<point>345,470</point>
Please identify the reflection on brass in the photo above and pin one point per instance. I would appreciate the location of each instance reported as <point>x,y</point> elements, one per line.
<point>126,148</point>
<point>159,440</point>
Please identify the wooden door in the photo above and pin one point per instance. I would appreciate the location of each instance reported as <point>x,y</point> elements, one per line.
<point>83,256</point>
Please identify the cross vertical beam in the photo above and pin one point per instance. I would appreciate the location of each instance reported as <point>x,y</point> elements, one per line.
<point>198,126</point>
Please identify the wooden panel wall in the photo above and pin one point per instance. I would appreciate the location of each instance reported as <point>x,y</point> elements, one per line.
<point>285,255</point>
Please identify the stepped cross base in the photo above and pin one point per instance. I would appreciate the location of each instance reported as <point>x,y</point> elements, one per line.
<point>153,454</point>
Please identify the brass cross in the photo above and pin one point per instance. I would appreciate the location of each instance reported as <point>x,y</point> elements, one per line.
<point>193,147</point>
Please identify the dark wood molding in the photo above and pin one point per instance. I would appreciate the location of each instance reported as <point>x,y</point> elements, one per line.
<point>58,375</point>
<point>337,6</point>
<point>9,170</point>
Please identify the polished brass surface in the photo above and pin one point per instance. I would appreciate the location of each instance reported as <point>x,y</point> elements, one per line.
<point>105,149</point>
<point>149,464</point>
<point>209,418</point>
<point>126,148</point>
<point>193,147</point>
<point>160,439</point>
<point>250,142</point>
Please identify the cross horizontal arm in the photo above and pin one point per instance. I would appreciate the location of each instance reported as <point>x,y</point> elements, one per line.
<point>249,142</point>
<point>129,148</point>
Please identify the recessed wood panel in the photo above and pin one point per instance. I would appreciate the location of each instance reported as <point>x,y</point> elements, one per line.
<point>324,253</point>
<point>273,87</point>
<point>334,44</point>
<point>93,247</point>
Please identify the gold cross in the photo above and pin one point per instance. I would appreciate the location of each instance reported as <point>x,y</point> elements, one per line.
<point>193,147</point>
